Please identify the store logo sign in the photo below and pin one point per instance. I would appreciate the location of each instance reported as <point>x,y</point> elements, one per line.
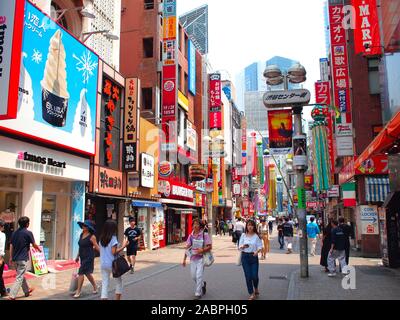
<point>30,162</point>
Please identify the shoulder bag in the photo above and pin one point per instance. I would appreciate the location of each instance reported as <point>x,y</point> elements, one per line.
<point>208,257</point>
<point>119,266</point>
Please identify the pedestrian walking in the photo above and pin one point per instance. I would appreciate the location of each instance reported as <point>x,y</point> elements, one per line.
<point>239,228</point>
<point>347,233</point>
<point>337,249</point>
<point>222,227</point>
<point>21,240</point>
<point>288,234</point>
<point>250,244</point>
<point>132,234</point>
<point>281,238</point>
<point>217,227</point>
<point>263,231</point>
<point>108,250</point>
<point>271,226</point>
<point>312,233</point>
<point>3,291</point>
<point>230,227</point>
<point>197,244</point>
<point>87,245</point>
<point>326,245</point>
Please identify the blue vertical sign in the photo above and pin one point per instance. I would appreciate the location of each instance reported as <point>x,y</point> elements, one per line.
<point>78,214</point>
<point>192,68</point>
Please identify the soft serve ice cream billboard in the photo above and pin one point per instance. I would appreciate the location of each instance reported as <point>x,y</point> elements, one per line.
<point>57,86</point>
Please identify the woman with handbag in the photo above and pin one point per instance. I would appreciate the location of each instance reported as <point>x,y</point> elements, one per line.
<point>87,245</point>
<point>197,245</point>
<point>108,250</point>
<point>250,244</point>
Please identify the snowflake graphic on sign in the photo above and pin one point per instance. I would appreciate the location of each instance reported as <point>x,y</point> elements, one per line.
<point>37,56</point>
<point>85,65</point>
<point>77,192</point>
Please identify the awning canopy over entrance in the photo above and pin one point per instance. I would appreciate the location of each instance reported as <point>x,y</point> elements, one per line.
<point>386,138</point>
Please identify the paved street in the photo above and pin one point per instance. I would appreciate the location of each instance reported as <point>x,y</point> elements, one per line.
<point>160,276</point>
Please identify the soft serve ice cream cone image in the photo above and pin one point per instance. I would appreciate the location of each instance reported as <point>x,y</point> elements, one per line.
<point>54,84</point>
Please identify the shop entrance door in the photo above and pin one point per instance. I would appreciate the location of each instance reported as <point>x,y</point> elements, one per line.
<point>48,226</point>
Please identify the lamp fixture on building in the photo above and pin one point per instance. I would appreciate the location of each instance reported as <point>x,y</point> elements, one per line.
<point>84,12</point>
<point>106,33</point>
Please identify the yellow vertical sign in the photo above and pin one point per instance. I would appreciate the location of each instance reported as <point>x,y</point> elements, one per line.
<point>169,28</point>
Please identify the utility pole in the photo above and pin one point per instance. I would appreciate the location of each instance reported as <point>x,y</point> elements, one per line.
<point>301,210</point>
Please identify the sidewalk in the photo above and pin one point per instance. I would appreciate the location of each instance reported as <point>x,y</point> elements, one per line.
<point>370,281</point>
<point>55,286</point>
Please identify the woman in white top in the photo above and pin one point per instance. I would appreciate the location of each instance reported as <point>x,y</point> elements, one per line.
<point>3,291</point>
<point>250,244</point>
<point>108,250</point>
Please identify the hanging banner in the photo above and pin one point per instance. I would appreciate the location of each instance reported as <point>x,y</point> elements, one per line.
<point>300,151</point>
<point>366,33</point>
<point>280,126</point>
<point>339,61</point>
<point>215,92</point>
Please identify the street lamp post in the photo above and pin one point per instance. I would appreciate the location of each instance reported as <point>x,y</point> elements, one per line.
<point>295,74</point>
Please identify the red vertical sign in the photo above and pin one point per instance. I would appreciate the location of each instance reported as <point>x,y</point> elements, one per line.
<point>340,67</point>
<point>366,33</point>
<point>215,101</point>
<point>323,97</point>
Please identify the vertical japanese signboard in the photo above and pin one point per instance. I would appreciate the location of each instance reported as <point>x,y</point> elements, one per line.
<point>340,67</point>
<point>323,97</point>
<point>215,101</point>
<point>169,77</point>
<point>366,33</point>
<point>131,123</point>
<point>192,67</point>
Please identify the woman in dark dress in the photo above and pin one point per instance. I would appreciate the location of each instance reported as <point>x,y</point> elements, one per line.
<point>326,246</point>
<point>87,245</point>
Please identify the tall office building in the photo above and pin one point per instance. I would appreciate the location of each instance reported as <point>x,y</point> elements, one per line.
<point>251,78</point>
<point>195,23</point>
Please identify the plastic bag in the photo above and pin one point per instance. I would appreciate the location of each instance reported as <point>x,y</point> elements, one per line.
<point>239,259</point>
<point>74,281</point>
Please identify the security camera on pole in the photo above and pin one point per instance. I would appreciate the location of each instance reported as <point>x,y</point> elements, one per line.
<point>295,99</point>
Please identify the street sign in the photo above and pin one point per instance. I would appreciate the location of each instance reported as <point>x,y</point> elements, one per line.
<point>286,98</point>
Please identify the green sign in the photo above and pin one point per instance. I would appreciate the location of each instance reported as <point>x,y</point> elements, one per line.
<point>301,194</point>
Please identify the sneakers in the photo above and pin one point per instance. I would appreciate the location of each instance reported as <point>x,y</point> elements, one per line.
<point>332,274</point>
<point>132,270</point>
<point>204,289</point>
<point>197,298</point>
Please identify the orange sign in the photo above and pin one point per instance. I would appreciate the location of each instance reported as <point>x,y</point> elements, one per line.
<point>169,28</point>
<point>110,181</point>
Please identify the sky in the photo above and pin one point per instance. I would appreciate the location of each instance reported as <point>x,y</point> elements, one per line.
<point>243,32</point>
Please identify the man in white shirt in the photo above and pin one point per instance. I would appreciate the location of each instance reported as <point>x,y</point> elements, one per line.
<point>3,291</point>
<point>239,229</point>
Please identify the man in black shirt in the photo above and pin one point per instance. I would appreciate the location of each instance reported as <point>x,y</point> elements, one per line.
<point>19,253</point>
<point>347,232</point>
<point>132,234</point>
<point>337,250</point>
<point>288,234</point>
<point>281,238</point>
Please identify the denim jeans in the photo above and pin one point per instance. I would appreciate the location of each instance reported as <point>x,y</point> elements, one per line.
<point>197,273</point>
<point>336,254</point>
<point>281,240</point>
<point>250,267</point>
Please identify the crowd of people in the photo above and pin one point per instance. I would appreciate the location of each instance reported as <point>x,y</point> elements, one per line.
<point>252,237</point>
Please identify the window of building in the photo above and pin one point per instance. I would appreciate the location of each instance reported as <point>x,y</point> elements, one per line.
<point>186,46</point>
<point>148,4</point>
<point>186,84</point>
<point>373,76</point>
<point>148,47</point>
<point>180,78</point>
<point>147,98</point>
<point>180,38</point>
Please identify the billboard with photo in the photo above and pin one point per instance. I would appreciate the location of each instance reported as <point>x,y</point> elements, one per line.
<point>57,86</point>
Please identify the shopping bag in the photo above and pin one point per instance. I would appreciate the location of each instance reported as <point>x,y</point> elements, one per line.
<point>74,281</point>
<point>239,259</point>
<point>208,259</point>
<point>120,266</point>
<point>234,237</point>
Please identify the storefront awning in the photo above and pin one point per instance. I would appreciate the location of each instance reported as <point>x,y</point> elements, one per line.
<point>376,189</point>
<point>386,138</point>
<point>184,211</point>
<point>146,204</point>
